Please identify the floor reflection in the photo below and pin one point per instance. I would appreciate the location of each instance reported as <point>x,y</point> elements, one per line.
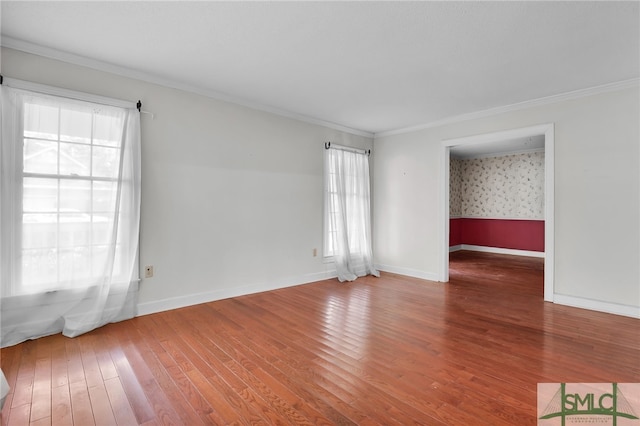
<point>347,320</point>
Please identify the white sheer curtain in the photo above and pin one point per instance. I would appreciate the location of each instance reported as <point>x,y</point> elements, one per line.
<point>69,214</point>
<point>348,213</point>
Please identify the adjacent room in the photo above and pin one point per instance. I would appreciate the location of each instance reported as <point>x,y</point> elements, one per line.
<point>497,197</point>
<point>319,212</point>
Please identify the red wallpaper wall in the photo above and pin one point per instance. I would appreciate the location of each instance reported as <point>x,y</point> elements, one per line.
<point>503,233</point>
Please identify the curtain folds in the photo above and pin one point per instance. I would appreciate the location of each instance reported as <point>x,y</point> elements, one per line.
<point>69,215</point>
<point>348,213</point>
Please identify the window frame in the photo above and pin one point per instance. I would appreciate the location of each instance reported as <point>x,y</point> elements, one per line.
<point>329,257</point>
<point>16,213</point>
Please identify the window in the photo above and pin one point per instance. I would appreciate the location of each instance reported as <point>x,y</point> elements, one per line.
<point>69,211</point>
<point>65,195</point>
<point>71,161</point>
<point>347,231</point>
<point>332,209</point>
<point>347,199</point>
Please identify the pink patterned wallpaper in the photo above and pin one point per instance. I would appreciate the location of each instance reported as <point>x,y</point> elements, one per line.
<point>509,186</point>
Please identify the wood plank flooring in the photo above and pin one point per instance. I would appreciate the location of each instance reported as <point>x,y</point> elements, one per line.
<point>389,350</point>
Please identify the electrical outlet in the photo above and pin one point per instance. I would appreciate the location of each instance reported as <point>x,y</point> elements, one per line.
<point>315,252</point>
<point>148,271</point>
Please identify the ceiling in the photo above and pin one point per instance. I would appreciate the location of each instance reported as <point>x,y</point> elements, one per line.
<point>510,146</point>
<point>370,66</point>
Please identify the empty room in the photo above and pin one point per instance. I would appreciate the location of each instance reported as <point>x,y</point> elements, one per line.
<point>306,213</point>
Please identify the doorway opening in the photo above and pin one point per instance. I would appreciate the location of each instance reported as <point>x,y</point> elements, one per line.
<point>505,139</point>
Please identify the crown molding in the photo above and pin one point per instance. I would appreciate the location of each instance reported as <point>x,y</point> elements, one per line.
<point>576,94</point>
<point>60,55</point>
<point>63,56</point>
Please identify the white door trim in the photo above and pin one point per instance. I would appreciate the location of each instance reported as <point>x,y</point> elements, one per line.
<point>543,129</point>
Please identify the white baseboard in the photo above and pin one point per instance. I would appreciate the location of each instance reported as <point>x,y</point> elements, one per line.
<point>195,299</point>
<point>211,296</point>
<point>597,305</point>
<point>497,250</point>
<point>560,299</point>
<point>430,276</point>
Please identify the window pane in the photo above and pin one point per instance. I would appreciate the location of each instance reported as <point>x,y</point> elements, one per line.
<point>106,162</point>
<point>75,159</point>
<point>99,261</point>
<point>75,126</point>
<point>107,130</point>
<point>75,265</point>
<point>40,195</point>
<point>104,196</point>
<point>40,156</point>
<point>39,231</point>
<point>102,229</point>
<point>75,196</point>
<point>67,221</point>
<point>75,229</point>
<point>118,268</point>
<point>40,121</point>
<point>39,269</point>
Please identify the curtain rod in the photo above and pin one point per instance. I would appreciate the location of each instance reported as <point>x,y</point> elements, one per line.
<point>139,106</point>
<point>327,145</point>
<point>87,97</point>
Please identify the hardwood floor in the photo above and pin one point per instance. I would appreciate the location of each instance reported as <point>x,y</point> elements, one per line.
<point>389,350</point>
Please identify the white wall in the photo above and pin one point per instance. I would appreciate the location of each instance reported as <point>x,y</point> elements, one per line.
<point>597,189</point>
<point>231,196</point>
